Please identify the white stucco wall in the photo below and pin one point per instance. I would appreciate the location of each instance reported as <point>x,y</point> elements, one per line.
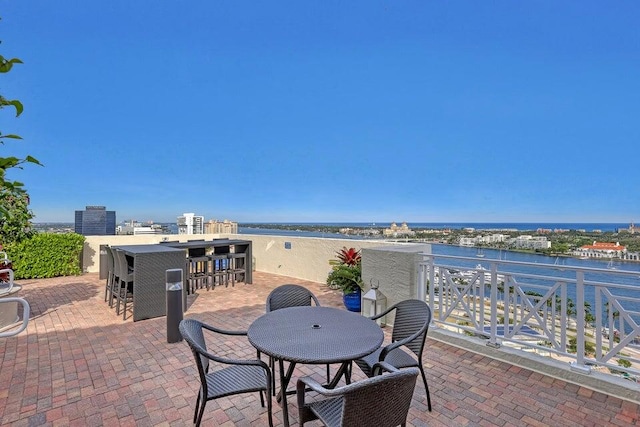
<point>394,269</point>
<point>307,257</point>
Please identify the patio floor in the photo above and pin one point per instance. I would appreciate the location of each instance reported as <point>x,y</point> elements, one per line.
<point>79,364</point>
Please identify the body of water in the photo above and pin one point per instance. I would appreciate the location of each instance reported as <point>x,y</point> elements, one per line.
<point>520,226</point>
<point>548,265</point>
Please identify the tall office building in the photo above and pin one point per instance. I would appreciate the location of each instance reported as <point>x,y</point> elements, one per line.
<point>95,221</point>
<point>190,223</point>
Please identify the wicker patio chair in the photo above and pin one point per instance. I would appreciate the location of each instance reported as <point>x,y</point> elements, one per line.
<point>382,400</point>
<point>111,277</point>
<point>290,296</point>
<point>124,285</point>
<point>239,376</point>
<point>412,318</point>
<point>286,296</point>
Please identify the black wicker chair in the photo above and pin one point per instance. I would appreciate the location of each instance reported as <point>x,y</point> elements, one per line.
<point>124,282</point>
<point>241,376</point>
<point>382,400</point>
<point>285,296</point>
<point>412,318</point>
<point>290,296</point>
<point>111,277</point>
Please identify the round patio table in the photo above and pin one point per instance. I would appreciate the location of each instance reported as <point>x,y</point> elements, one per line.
<point>313,335</point>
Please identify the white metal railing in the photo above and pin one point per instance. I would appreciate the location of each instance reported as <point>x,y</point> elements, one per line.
<point>588,316</point>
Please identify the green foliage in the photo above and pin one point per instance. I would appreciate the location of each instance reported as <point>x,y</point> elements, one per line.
<point>15,217</point>
<point>346,273</point>
<point>8,187</point>
<point>589,347</point>
<point>47,255</point>
<point>624,363</point>
<point>348,256</point>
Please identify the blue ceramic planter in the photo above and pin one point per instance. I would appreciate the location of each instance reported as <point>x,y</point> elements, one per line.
<point>352,300</point>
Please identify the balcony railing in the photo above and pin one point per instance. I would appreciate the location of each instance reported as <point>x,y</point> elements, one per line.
<point>587,316</point>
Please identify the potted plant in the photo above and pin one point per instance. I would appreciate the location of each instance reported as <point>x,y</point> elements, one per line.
<point>346,275</point>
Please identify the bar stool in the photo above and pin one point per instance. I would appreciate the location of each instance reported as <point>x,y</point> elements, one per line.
<point>237,266</point>
<point>218,271</point>
<point>198,268</point>
<point>124,286</point>
<point>111,277</point>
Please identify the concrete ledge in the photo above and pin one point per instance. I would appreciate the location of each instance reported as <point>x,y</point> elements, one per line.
<point>597,381</point>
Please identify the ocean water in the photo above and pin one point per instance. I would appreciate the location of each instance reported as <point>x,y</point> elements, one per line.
<point>521,226</point>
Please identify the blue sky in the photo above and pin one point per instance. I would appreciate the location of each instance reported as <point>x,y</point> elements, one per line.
<point>302,111</point>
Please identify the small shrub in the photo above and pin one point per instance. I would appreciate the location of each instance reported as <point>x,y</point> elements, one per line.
<point>47,255</point>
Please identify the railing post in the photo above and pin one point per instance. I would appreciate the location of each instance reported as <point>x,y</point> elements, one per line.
<point>579,364</point>
<point>422,279</point>
<point>493,340</point>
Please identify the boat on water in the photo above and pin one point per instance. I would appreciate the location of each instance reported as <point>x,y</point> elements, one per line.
<point>611,266</point>
<point>480,253</point>
<point>476,272</point>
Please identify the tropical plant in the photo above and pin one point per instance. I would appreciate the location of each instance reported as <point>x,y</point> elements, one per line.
<point>15,221</point>
<point>346,271</point>
<point>9,188</point>
<point>348,256</point>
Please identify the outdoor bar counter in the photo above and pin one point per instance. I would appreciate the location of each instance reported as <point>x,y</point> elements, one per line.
<point>150,263</point>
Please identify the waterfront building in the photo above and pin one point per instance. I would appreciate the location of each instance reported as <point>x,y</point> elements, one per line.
<point>602,250</point>
<point>213,226</point>
<point>95,221</point>
<point>482,240</point>
<point>190,223</point>
<point>633,229</point>
<point>530,242</point>
<point>397,231</point>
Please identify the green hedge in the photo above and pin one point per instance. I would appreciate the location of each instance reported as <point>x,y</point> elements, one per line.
<point>47,255</point>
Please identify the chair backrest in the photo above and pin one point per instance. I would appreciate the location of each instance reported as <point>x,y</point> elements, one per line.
<point>290,296</point>
<point>411,316</point>
<point>116,261</point>
<point>121,264</point>
<point>191,331</point>
<point>111,263</point>
<point>383,400</point>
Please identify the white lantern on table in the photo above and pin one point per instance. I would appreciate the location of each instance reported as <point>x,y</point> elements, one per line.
<point>374,302</point>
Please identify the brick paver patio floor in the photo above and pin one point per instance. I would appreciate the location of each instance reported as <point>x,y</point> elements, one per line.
<point>79,364</point>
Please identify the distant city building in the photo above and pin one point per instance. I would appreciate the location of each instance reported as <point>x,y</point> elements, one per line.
<point>133,227</point>
<point>530,242</point>
<point>479,240</point>
<point>213,226</point>
<point>602,250</point>
<point>95,221</point>
<point>633,229</point>
<point>190,223</point>
<point>395,231</point>
<point>364,231</point>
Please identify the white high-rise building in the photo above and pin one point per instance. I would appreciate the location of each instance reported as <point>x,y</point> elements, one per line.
<point>190,223</point>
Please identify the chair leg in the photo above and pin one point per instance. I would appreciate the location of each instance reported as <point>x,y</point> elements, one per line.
<point>124,308</point>
<point>199,420</point>
<point>118,298</point>
<point>426,387</point>
<point>195,413</point>
<point>269,409</point>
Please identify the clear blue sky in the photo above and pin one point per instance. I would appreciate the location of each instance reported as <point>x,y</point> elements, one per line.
<point>301,111</point>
